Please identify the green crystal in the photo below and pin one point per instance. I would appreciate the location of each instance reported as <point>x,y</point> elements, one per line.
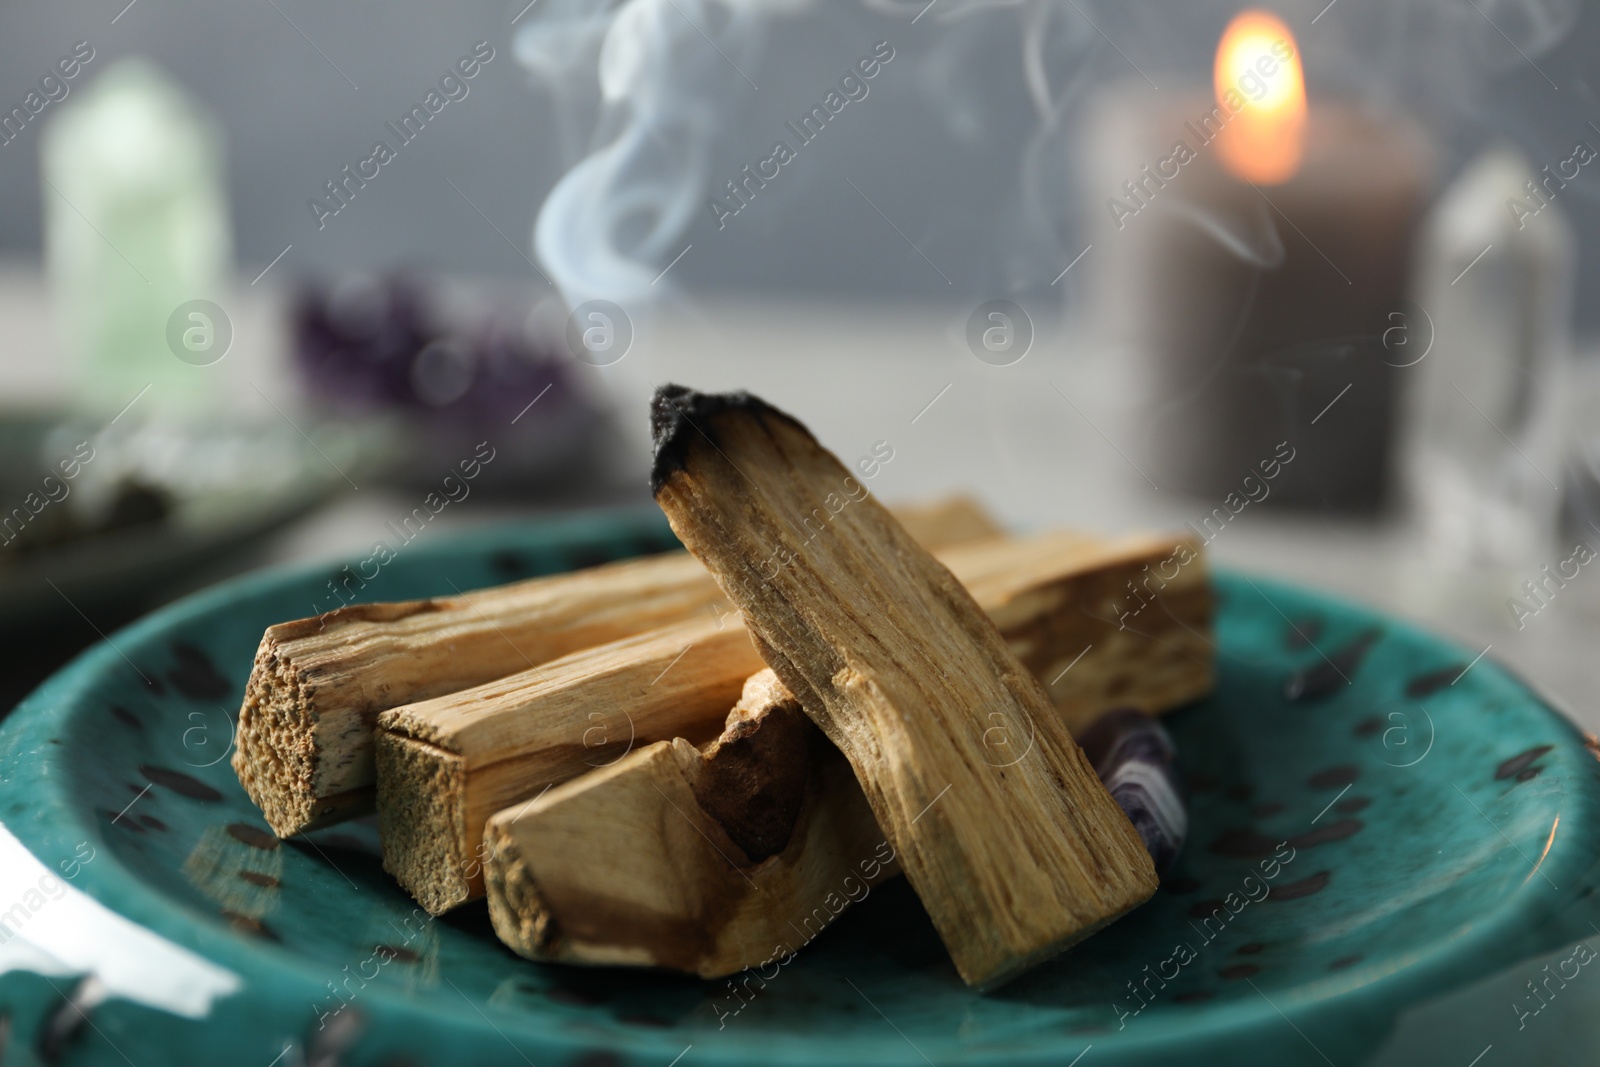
<point>136,224</point>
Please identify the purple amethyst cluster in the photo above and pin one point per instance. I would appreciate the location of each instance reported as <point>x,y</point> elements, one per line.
<point>1136,760</point>
<point>379,344</point>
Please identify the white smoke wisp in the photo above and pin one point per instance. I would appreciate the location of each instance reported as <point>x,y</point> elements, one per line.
<point>647,91</point>
<point>660,77</point>
<point>641,88</point>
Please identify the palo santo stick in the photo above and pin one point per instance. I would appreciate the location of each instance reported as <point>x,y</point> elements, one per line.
<point>702,862</point>
<point>445,765</point>
<point>305,729</point>
<point>951,520</point>
<point>1067,616</point>
<point>662,859</point>
<point>897,664</point>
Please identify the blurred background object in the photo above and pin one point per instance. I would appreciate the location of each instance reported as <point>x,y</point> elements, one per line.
<point>1254,248</point>
<point>443,370</point>
<point>987,91</point>
<point>136,226</point>
<point>1495,297</point>
<point>292,271</point>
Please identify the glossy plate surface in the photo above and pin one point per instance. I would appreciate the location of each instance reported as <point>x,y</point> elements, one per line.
<point>1376,820</point>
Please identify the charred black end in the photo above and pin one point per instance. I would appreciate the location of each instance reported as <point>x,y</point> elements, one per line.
<point>681,418</point>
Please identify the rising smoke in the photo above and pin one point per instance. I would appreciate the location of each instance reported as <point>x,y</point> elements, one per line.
<point>653,97</point>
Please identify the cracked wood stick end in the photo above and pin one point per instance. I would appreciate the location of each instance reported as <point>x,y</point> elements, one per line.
<point>304,751</point>
<point>708,861</point>
<point>443,762</point>
<point>606,871</point>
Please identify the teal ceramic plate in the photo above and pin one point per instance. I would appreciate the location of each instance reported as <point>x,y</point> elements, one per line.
<point>1378,819</point>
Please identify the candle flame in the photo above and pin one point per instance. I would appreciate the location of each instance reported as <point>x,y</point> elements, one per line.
<point>1261,88</point>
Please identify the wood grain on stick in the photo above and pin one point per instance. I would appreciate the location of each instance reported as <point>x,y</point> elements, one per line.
<point>304,750</point>
<point>716,860</point>
<point>895,661</point>
<point>701,861</point>
<point>445,765</point>
<point>1063,607</point>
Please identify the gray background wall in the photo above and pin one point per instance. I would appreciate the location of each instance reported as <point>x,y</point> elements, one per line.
<point>938,145</point>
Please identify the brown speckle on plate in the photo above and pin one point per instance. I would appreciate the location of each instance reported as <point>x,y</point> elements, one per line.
<point>1304,888</point>
<point>253,836</point>
<point>1303,633</point>
<point>1244,843</point>
<point>1433,681</point>
<point>118,819</point>
<point>1334,777</point>
<point>195,676</point>
<point>397,952</point>
<point>247,924</point>
<point>509,564</point>
<point>1331,672</point>
<point>1517,764</point>
<point>186,785</point>
<point>1337,830</point>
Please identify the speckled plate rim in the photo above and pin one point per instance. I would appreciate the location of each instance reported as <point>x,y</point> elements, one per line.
<point>1364,996</point>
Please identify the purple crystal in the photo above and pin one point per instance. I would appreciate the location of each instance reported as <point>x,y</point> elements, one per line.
<point>376,343</point>
<point>1136,760</point>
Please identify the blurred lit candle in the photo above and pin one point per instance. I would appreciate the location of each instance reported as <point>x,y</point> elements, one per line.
<point>1248,257</point>
<point>1265,141</point>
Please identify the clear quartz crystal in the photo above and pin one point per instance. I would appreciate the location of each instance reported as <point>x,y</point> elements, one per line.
<point>136,224</point>
<point>1494,292</point>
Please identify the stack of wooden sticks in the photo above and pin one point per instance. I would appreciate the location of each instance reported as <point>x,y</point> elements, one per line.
<point>682,761</point>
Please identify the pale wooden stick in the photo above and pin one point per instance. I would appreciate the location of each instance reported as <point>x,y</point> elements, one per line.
<point>702,862</point>
<point>666,858</point>
<point>1124,621</point>
<point>904,673</point>
<point>445,765</point>
<point>304,752</point>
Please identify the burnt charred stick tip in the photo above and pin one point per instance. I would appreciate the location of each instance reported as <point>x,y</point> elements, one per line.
<point>904,672</point>
<point>680,416</point>
<point>1134,756</point>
